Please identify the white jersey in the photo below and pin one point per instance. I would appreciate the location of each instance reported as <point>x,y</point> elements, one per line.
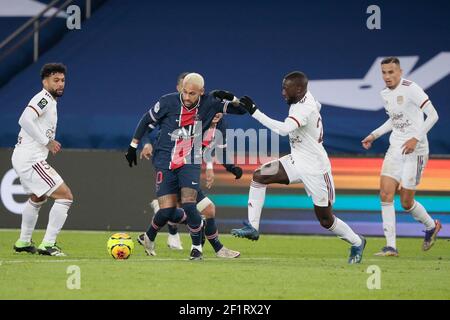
<point>404,106</point>
<point>27,148</point>
<point>306,141</point>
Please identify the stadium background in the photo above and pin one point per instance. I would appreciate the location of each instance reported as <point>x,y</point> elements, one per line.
<point>130,52</point>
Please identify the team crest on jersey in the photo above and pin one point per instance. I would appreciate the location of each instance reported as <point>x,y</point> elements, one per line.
<point>400,99</point>
<point>42,103</point>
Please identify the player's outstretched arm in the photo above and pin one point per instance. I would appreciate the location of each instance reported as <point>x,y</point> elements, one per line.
<point>375,134</point>
<point>227,98</point>
<point>224,95</point>
<point>281,128</point>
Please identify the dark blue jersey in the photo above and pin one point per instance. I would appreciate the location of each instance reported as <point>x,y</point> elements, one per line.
<point>181,129</point>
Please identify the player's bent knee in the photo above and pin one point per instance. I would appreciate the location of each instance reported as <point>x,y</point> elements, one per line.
<point>257,177</point>
<point>407,204</point>
<point>68,195</point>
<point>386,196</point>
<point>37,199</point>
<point>326,223</point>
<point>209,211</point>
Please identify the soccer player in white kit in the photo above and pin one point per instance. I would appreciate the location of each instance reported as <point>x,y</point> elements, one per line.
<point>36,138</point>
<point>308,163</point>
<point>405,103</point>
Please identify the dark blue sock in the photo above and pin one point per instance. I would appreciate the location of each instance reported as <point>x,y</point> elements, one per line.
<point>194,222</point>
<point>212,234</point>
<point>173,229</point>
<point>159,220</point>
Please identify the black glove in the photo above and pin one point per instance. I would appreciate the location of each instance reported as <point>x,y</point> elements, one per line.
<point>223,95</point>
<point>247,103</point>
<point>236,171</point>
<point>131,156</point>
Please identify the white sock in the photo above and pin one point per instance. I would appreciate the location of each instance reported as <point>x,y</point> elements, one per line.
<point>56,219</point>
<point>388,215</point>
<point>199,248</point>
<point>343,231</point>
<point>29,218</point>
<point>256,197</point>
<point>155,206</point>
<point>420,214</point>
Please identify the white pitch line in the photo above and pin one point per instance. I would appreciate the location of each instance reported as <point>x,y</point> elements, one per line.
<point>130,260</point>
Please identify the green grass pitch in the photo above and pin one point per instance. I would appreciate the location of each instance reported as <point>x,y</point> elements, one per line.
<point>275,267</point>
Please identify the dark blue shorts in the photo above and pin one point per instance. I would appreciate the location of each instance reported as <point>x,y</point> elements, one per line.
<point>171,181</point>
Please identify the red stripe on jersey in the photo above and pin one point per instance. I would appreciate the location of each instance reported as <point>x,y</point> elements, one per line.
<point>298,123</point>
<point>183,145</point>
<point>421,106</point>
<point>34,110</point>
<point>187,116</point>
<point>209,136</point>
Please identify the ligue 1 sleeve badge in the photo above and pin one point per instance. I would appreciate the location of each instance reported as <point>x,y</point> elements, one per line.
<point>42,103</point>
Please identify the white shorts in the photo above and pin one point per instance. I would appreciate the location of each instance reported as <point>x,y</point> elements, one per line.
<point>320,187</point>
<point>407,169</point>
<point>37,178</point>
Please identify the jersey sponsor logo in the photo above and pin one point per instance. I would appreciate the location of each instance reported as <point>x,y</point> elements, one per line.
<point>41,104</point>
<point>295,139</point>
<point>364,93</point>
<point>399,121</point>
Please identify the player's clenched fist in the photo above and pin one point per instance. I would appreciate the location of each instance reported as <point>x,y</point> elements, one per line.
<point>367,142</point>
<point>54,146</point>
<point>223,95</point>
<point>131,156</point>
<point>247,103</point>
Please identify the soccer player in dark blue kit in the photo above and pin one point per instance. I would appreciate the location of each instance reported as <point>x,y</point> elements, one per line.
<point>178,152</point>
<point>214,138</point>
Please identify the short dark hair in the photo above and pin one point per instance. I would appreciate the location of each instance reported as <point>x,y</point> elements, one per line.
<point>181,76</point>
<point>298,77</point>
<point>50,68</point>
<point>391,60</point>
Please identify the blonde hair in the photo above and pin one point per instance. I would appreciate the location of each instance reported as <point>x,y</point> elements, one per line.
<point>195,79</point>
